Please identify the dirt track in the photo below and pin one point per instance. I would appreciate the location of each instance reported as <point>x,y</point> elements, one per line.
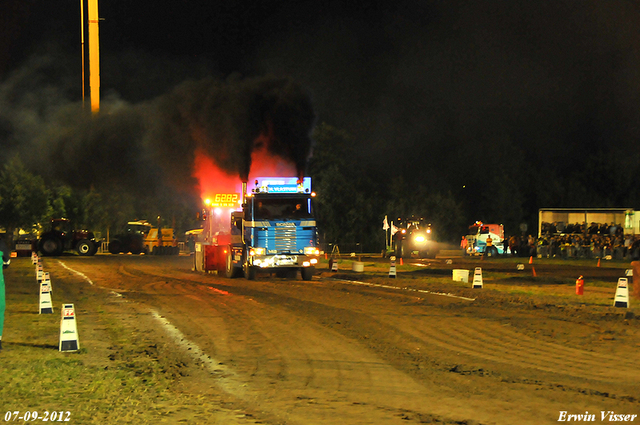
<point>338,351</point>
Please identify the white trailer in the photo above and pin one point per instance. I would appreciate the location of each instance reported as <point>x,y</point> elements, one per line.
<point>625,217</point>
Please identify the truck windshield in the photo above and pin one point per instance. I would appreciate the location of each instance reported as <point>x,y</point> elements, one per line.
<point>138,228</point>
<point>282,208</point>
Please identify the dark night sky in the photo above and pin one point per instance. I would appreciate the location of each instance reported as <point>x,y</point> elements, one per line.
<point>418,83</point>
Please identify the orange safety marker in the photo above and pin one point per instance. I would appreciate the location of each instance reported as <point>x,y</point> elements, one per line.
<point>598,262</point>
<point>580,286</point>
<point>531,260</point>
<point>533,269</point>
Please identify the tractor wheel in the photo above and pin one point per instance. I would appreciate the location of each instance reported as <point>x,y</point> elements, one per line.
<point>51,246</point>
<point>114,247</point>
<point>84,248</point>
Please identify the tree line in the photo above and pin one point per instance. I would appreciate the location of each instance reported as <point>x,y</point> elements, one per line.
<point>450,188</point>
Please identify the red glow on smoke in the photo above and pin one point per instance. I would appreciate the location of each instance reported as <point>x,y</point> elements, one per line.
<point>211,179</point>
<point>264,164</point>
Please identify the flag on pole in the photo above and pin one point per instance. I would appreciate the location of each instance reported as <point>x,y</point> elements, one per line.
<point>394,229</point>
<point>385,224</point>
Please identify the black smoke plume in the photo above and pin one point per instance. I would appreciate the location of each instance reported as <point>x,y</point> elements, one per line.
<point>228,120</point>
<point>145,147</point>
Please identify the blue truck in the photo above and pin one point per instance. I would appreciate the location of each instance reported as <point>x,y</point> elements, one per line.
<point>273,229</point>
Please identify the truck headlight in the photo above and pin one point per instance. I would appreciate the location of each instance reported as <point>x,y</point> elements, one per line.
<point>311,250</point>
<point>419,239</point>
<point>256,251</point>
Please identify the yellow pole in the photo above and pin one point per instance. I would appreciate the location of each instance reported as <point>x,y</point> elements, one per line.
<point>94,56</point>
<point>82,45</point>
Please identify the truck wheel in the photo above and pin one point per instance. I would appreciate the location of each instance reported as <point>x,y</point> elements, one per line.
<point>307,273</point>
<point>114,247</point>
<point>84,247</point>
<point>249,272</point>
<point>51,246</point>
<point>229,271</point>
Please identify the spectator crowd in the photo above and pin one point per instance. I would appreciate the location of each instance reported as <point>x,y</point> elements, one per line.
<point>597,240</point>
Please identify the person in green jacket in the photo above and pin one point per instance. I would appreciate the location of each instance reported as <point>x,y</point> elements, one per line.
<point>6,259</point>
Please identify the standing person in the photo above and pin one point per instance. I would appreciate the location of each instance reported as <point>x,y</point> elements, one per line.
<point>6,259</point>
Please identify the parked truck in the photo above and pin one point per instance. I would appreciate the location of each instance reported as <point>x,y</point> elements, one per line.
<point>131,238</point>
<point>140,237</point>
<point>477,239</point>
<point>270,227</point>
<point>61,237</point>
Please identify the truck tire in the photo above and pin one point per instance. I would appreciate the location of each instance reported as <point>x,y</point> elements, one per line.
<point>84,248</point>
<point>249,272</point>
<point>50,246</point>
<point>229,271</point>
<point>307,273</point>
<point>114,247</point>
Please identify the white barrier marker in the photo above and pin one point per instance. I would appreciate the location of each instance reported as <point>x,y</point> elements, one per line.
<point>622,293</point>
<point>39,272</point>
<point>477,278</point>
<point>392,267</point>
<point>46,278</point>
<point>45,298</point>
<point>68,329</point>
<point>334,266</point>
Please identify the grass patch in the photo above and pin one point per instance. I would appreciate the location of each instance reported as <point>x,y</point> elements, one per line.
<point>116,376</point>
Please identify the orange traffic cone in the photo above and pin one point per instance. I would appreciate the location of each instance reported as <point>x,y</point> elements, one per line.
<point>401,263</point>
<point>531,260</point>
<point>598,262</point>
<point>533,269</point>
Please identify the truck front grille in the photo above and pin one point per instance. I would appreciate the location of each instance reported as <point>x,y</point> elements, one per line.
<point>285,238</point>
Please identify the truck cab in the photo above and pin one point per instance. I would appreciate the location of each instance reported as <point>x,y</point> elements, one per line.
<point>273,229</point>
<point>280,233</point>
<point>478,235</point>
